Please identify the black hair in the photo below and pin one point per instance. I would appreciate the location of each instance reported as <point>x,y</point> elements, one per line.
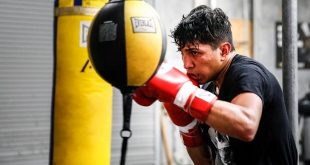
<point>204,25</point>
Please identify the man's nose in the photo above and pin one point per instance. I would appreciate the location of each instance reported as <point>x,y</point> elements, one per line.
<point>187,62</point>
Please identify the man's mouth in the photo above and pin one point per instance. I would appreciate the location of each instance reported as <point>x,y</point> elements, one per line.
<point>193,76</point>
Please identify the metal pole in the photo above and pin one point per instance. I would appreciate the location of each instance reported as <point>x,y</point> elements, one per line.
<point>289,56</point>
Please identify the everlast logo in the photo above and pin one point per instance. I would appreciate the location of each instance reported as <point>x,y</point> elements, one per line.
<point>143,25</point>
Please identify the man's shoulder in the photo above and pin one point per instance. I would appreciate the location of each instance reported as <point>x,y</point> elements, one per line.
<point>245,65</point>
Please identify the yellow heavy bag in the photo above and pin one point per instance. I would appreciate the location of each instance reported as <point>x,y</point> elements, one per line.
<point>126,43</point>
<point>83,101</point>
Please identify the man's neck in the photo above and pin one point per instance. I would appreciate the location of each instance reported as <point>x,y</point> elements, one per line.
<point>220,78</point>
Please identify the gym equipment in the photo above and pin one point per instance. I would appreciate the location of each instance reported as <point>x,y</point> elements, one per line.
<point>126,44</point>
<point>82,112</point>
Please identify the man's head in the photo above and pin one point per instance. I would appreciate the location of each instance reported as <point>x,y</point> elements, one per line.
<point>205,41</point>
<point>205,26</point>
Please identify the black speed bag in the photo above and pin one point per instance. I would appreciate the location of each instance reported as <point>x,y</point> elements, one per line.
<point>126,43</point>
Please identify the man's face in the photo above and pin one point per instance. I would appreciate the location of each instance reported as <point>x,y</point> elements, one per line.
<point>202,63</point>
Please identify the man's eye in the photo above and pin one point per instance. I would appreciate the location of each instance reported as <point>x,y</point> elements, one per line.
<point>194,53</point>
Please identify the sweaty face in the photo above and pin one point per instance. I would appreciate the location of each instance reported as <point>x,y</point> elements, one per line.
<point>201,61</point>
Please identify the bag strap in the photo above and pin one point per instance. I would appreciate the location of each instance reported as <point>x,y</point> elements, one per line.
<point>126,133</point>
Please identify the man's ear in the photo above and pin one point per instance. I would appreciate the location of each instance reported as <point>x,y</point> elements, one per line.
<point>225,48</point>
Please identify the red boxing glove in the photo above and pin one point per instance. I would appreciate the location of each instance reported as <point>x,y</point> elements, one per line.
<point>171,85</point>
<point>144,96</point>
<point>188,126</point>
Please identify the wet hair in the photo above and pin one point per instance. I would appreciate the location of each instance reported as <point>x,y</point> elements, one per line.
<point>205,26</point>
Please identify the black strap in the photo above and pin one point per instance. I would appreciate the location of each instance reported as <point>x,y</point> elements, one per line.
<point>126,132</point>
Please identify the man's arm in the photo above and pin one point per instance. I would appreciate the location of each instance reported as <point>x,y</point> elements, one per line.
<point>239,119</point>
<point>190,134</point>
<point>200,155</point>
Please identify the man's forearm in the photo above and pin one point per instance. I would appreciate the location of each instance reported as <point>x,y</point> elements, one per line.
<point>200,155</point>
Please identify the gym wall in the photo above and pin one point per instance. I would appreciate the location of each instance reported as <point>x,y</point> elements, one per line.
<point>26,75</point>
<point>26,92</point>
